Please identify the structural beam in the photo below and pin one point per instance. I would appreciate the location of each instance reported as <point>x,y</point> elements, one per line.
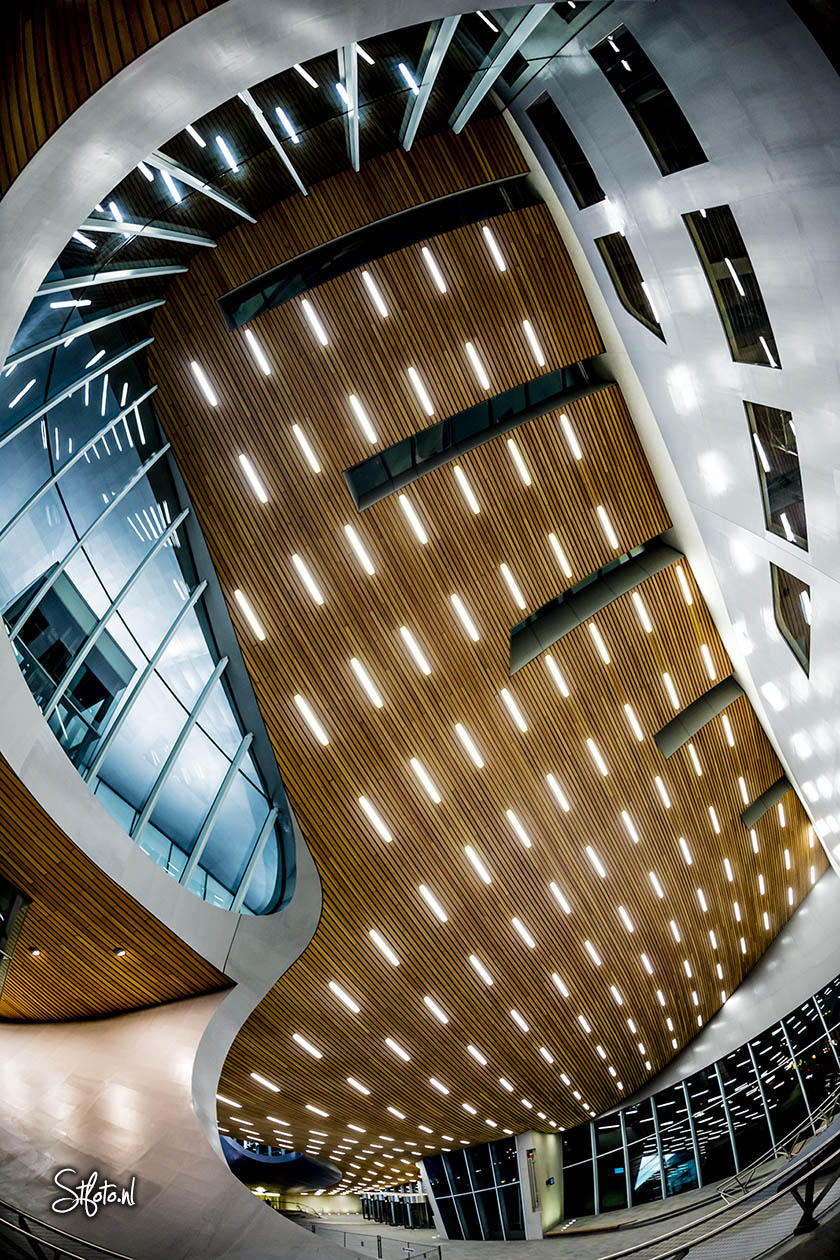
<point>484,79</point>
<point>259,849</point>
<point>176,750</point>
<point>765,802</point>
<point>274,140</point>
<point>348,73</point>
<point>84,538</point>
<point>693,717</point>
<point>431,60</point>
<point>154,660</point>
<point>47,485</point>
<point>108,275</point>
<point>153,229</point>
<point>163,163</point>
<point>81,330</point>
<point>95,634</point>
<point>213,813</point>
<point>65,393</point>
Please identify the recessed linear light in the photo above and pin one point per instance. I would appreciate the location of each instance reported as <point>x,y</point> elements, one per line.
<point>308,453</point>
<point>585,1025</point>
<point>426,780</point>
<point>742,787</point>
<point>519,1021</point>
<point>493,247</point>
<point>657,887</point>
<point>625,919</point>
<point>668,684</point>
<point>357,1085</point>
<point>311,720</point>
<point>469,745</point>
<point>309,1048</point>
<point>595,754</point>
<point>375,294</point>
<point>477,1055</point>
<point>477,864</point>
<point>314,322</point>
<point>560,555</point>
<point>714,820</point>
<point>384,949</point>
<point>464,617</point>
<point>414,648</point>
<point>204,384</point>
<point>433,269</point>
<point>362,418</point>
<point>433,904</point>
<point>616,995</point>
<point>531,337</point>
<point>570,436</point>
<point>630,826</point>
<point>519,462</point>
<point>560,898</point>
<point>695,760</point>
<point>66,303</point>
<point>23,392</point>
<point>642,612</point>
<point>304,74</point>
<point>592,952</point>
<point>286,123</point>
<point>514,710</point>
<point>518,829</point>
<point>437,1011</point>
<point>249,614</point>
<point>409,79</point>
<point>513,587</point>
<point>375,820</point>
<point>275,1089</point>
<point>596,861</point>
<point>399,1052</point>
<point>359,550</point>
<point>707,661</point>
<point>344,997</point>
<point>258,353</point>
<point>635,726</point>
<point>663,792</point>
<point>307,579</point>
<point>558,793</point>
<point>675,931</point>
<point>477,365</point>
<point>366,682</point>
<point>520,928</point>
<point>466,490</point>
<point>478,965</point>
<point>228,1101</point>
<point>600,645</point>
<point>505,1084</point>
<point>224,149</point>
<point>253,479</point>
<point>420,391</point>
<point>606,526</point>
<point>413,519</point>
<point>557,677</point>
<point>712,939</point>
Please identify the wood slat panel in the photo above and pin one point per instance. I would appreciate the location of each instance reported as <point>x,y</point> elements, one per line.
<point>78,916</point>
<point>57,53</point>
<point>368,883</point>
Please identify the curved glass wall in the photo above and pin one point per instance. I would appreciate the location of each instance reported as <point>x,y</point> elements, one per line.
<point>718,1121</point>
<point>103,604</point>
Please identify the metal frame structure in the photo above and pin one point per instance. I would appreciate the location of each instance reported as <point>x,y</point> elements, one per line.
<point>348,73</point>
<point>81,330</point>
<point>274,140</point>
<point>436,47</point>
<point>163,163</point>
<point>484,79</point>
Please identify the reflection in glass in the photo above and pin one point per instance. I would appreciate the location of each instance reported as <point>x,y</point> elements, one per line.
<point>612,1179</point>
<point>578,1186</point>
<point>785,1101</point>
<point>717,1158</point>
<point>568,156</point>
<point>777,463</point>
<point>753,1138</point>
<point>643,1152</point>
<point>792,609</point>
<point>813,1053</point>
<point>627,280</point>
<point>678,1161</point>
<point>477,1191</point>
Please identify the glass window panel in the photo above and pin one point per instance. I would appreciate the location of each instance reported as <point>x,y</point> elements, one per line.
<point>645,1181</point>
<point>645,96</point>
<point>829,1003</point>
<point>513,1221</point>
<point>505,1163</point>
<point>716,1156</point>
<point>436,1173</point>
<point>578,1185</point>
<point>41,540</point>
<point>792,610</point>
<point>569,157</point>
<point>612,1181</point>
<point>232,840</point>
<point>468,1215</point>
<point>678,1160</point>
<point>450,1218</point>
<point>478,1159</point>
<point>267,883</point>
<point>753,1139</point>
<point>777,463</point>
<point>119,809</point>
<point>217,894</point>
<point>429,442</point>
<point>813,1052</point>
<point>466,424</point>
<point>785,1102</point>
<point>190,789</point>
<point>734,285</point>
<point>489,1215</point>
<point>627,280</point>
<point>398,457</point>
<point>456,1168</point>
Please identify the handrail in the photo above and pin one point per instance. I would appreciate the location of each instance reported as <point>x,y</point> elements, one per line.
<point>778,1149</point>
<point>727,1207</point>
<point>36,1220</point>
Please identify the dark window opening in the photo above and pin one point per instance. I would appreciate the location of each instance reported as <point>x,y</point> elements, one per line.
<point>568,156</point>
<point>570,10</point>
<point>777,462</point>
<point>627,279</point>
<point>792,609</point>
<point>734,285</point>
<point>641,89</point>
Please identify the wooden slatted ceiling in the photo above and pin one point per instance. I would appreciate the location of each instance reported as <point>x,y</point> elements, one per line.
<point>371,884</point>
<point>57,53</point>
<point>77,918</point>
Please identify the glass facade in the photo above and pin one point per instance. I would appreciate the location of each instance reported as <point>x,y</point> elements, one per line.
<point>569,157</point>
<point>763,1096</point>
<point>477,1191</point>
<point>777,463</point>
<point>792,609</point>
<point>103,604</point>
<point>627,280</point>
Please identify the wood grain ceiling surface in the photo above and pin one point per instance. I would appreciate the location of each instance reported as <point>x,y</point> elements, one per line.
<point>77,918</point>
<point>370,884</point>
